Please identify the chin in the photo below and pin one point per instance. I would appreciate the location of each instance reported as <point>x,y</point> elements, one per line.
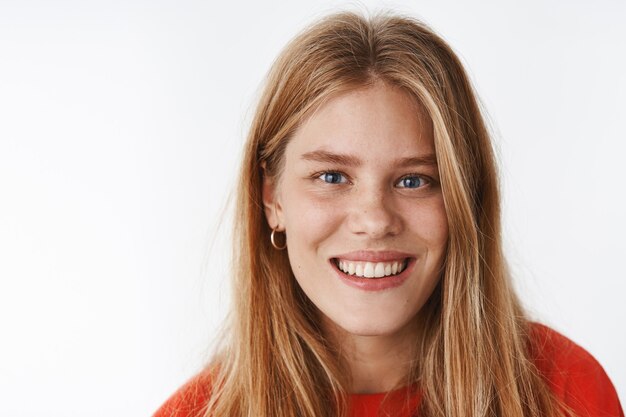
<point>371,327</point>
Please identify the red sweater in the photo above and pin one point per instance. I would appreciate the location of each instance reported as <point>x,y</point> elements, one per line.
<point>572,373</point>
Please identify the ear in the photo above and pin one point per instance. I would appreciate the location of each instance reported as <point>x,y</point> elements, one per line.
<point>271,201</point>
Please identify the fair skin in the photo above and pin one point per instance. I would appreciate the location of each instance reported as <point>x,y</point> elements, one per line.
<point>379,203</point>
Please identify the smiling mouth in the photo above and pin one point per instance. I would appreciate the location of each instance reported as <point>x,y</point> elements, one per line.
<point>371,269</point>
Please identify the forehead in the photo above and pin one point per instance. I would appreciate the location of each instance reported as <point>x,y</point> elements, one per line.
<point>371,122</point>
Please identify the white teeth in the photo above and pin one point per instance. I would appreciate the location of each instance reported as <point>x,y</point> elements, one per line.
<point>371,269</point>
<point>379,271</point>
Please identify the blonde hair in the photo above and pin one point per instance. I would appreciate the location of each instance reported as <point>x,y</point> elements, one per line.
<point>474,355</point>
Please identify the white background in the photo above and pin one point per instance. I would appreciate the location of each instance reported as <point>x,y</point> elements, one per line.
<point>121,125</point>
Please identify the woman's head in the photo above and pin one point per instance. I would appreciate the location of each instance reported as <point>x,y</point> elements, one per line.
<point>330,90</point>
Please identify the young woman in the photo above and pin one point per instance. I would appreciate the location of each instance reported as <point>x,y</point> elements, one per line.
<point>369,274</point>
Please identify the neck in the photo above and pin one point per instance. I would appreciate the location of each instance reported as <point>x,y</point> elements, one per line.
<point>377,363</point>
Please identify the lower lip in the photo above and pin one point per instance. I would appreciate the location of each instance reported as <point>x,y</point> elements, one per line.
<point>374,284</point>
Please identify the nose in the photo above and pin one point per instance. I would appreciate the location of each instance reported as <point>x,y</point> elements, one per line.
<point>374,214</point>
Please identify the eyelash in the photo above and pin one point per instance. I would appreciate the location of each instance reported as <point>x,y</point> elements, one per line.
<point>424,178</point>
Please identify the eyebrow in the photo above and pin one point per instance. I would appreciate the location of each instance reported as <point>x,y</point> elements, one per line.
<point>352,161</point>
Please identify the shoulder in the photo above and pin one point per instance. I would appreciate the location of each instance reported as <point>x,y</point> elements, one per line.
<point>573,374</point>
<point>189,400</point>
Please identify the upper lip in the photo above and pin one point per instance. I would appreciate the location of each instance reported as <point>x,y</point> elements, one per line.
<point>374,256</point>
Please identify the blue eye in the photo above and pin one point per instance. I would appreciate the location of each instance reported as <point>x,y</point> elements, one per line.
<point>411,181</point>
<point>331,177</point>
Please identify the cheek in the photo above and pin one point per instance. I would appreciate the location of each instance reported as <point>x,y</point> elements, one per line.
<point>439,229</point>
<point>310,224</point>
<point>309,219</point>
<point>429,221</point>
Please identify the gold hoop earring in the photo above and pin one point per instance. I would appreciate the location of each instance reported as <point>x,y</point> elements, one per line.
<point>273,240</point>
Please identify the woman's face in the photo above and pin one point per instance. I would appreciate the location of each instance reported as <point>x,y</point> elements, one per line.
<point>360,193</point>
